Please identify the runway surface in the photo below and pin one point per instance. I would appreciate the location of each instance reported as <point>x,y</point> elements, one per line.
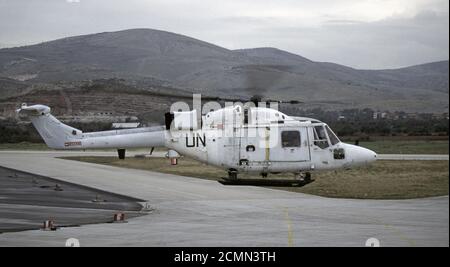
<point>195,212</point>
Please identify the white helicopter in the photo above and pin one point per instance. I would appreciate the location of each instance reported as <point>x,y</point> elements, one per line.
<point>238,138</point>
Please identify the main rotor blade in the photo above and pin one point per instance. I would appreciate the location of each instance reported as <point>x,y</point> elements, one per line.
<point>261,78</point>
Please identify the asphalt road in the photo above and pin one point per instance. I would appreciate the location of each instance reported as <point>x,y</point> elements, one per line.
<point>195,212</point>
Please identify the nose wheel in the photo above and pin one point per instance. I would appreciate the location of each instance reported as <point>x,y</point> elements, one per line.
<point>304,177</point>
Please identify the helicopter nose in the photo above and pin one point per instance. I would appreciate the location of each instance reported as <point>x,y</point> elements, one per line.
<point>359,155</point>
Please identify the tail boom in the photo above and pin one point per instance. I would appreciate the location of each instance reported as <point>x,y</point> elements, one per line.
<point>58,135</point>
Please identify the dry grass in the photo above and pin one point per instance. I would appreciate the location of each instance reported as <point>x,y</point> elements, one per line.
<point>407,146</point>
<point>24,146</point>
<point>382,180</point>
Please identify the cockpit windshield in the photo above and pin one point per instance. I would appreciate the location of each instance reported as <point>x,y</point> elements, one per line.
<point>333,138</point>
<point>324,136</point>
<point>320,137</point>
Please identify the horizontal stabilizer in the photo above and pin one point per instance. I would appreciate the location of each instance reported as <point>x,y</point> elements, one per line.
<point>35,110</point>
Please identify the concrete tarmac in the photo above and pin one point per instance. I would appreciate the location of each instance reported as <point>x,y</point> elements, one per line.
<point>27,200</point>
<point>195,212</point>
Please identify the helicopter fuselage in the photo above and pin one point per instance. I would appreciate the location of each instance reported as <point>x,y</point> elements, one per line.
<point>235,138</point>
<point>264,141</point>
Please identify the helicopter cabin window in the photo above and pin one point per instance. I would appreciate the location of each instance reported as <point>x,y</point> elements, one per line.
<point>290,139</point>
<point>320,137</point>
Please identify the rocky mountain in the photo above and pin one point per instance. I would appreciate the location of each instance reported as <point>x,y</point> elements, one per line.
<point>158,60</point>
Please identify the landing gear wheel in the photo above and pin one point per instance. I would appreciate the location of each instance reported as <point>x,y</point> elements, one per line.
<point>304,177</point>
<point>307,177</point>
<point>232,174</point>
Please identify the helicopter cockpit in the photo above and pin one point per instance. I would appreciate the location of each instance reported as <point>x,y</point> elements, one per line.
<point>324,137</point>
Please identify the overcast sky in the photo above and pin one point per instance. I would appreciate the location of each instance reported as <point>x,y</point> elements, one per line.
<point>370,34</point>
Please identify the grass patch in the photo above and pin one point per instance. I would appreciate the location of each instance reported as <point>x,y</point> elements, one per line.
<point>407,147</point>
<point>24,146</point>
<point>381,180</point>
<point>385,179</point>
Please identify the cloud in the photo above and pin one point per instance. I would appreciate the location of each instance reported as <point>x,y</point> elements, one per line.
<point>358,33</point>
<point>389,43</point>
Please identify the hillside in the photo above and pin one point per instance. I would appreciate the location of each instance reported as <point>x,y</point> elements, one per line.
<point>156,59</point>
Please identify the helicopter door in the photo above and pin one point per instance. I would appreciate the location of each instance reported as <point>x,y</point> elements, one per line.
<point>264,144</point>
<point>253,145</point>
<point>292,144</point>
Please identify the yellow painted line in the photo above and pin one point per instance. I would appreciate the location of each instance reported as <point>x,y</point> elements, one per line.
<point>411,242</point>
<point>394,230</point>
<point>289,225</point>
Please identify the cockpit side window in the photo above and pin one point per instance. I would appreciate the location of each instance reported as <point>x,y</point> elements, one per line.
<point>320,137</point>
<point>333,138</point>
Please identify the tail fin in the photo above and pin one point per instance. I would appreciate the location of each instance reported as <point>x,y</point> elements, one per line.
<point>56,134</point>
